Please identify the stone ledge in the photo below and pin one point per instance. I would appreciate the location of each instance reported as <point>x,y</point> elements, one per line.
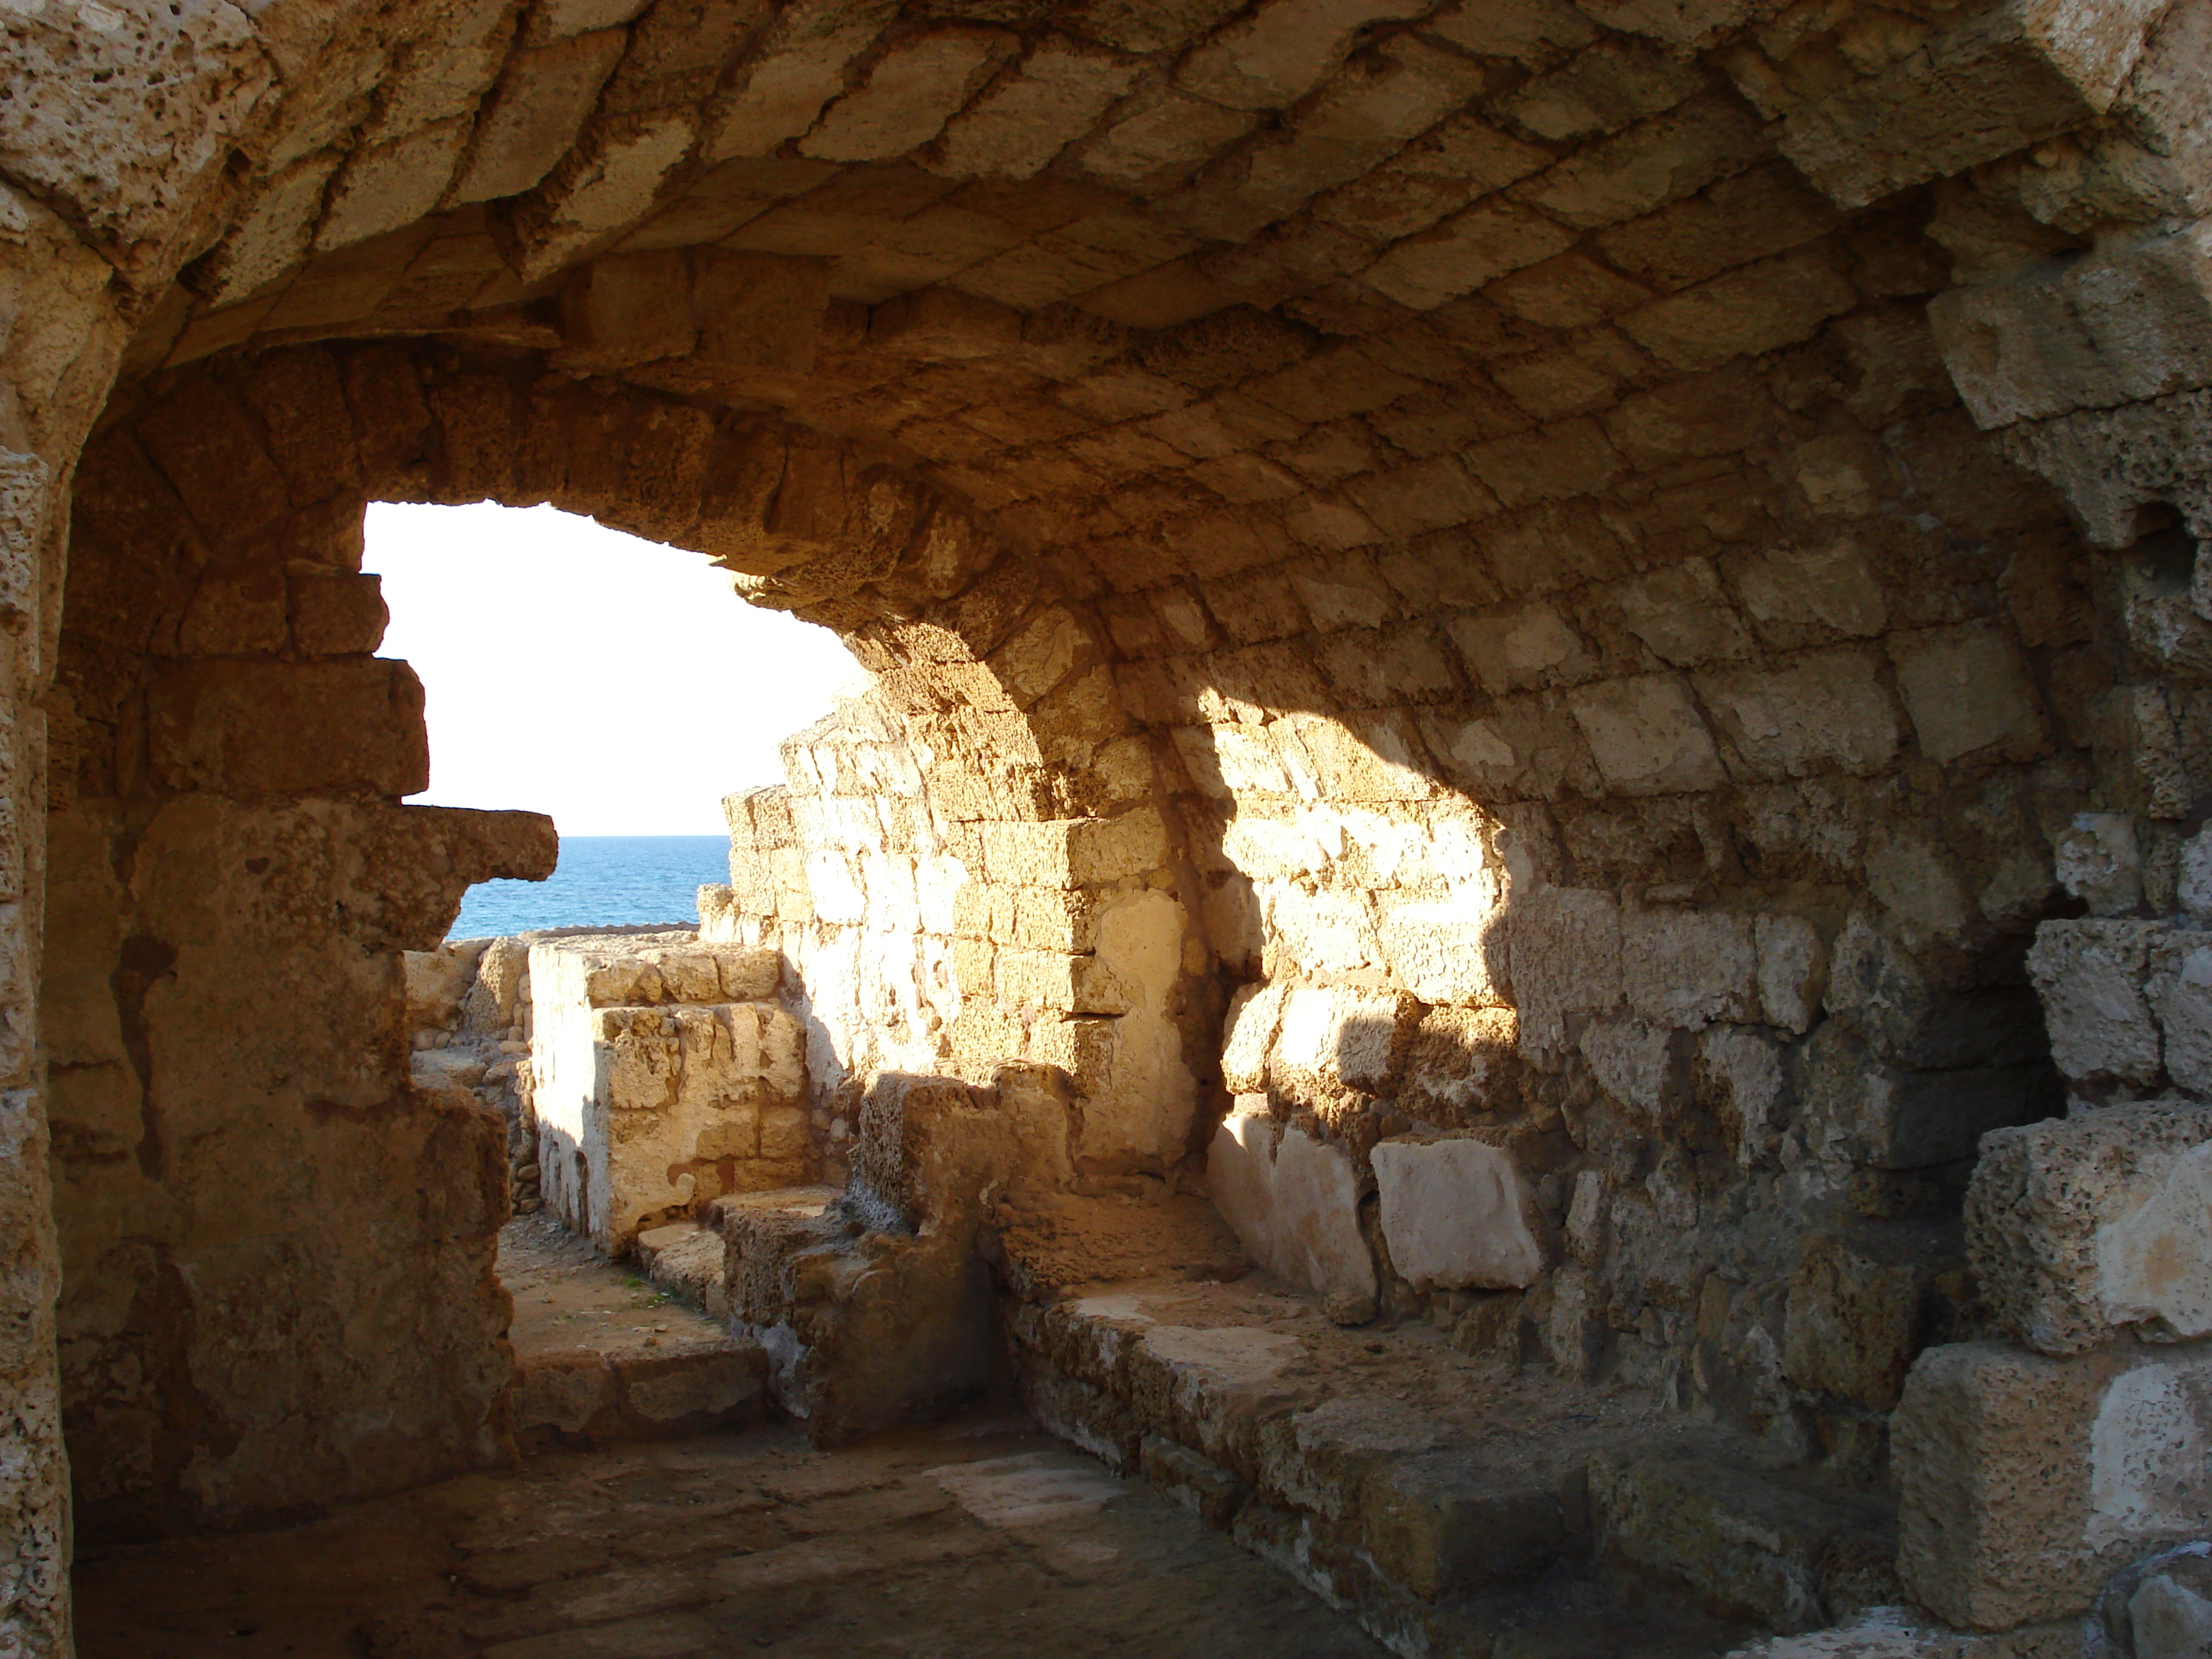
<point>1439,1498</point>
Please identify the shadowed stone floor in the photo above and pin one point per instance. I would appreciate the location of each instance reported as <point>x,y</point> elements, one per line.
<point>978,1538</point>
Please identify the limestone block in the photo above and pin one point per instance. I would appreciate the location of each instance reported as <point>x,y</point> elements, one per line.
<point>122,152</point>
<point>1071,852</point>
<point>1646,736</point>
<point>1793,969</point>
<point>1536,33</point>
<point>1255,1012</point>
<point>1745,1066</point>
<point>2082,1225</point>
<point>1053,96</point>
<point>1341,1035</point>
<point>1827,709</point>
<point>1450,950</point>
<point>2170,1613</point>
<point>1682,614</point>
<point>1853,1322</point>
<point>1457,1212</point>
<point>335,612</point>
<point>440,75</point>
<point>943,323</point>
<point>1368,757</point>
<point>1662,160</point>
<point>1468,250</point>
<point>606,182</point>
<point>1742,313</point>
<point>2090,975</point>
<point>1282,52</point>
<point>1966,692</point>
<point>1688,968</point>
<point>340,726</point>
<point>2097,862</point>
<point>653,1095</point>
<point>627,308</point>
<point>1159,139</point>
<point>909,95</point>
<point>1293,1201</point>
<point>1447,1523</point>
<point>2178,989</point>
<point>1600,91</point>
<point>799,67</point>
<point>1747,1545</point>
<point>1856,1108</point>
<point>1530,645</point>
<point>2025,1481</point>
<point>1993,83</point>
<point>1630,1060</point>
<point>757,312</point>
<point>391,186</point>
<point>1563,956</point>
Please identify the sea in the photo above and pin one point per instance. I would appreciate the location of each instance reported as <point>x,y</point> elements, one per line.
<point>601,881</point>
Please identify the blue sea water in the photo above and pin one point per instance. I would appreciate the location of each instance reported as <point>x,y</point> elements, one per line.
<point>601,881</point>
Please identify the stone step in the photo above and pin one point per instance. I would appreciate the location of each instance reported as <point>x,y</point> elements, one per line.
<point>1743,1543</point>
<point>685,1259</point>
<point>1443,1498</point>
<point>602,1355</point>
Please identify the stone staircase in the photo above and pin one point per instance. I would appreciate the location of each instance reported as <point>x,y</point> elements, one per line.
<point>1455,1503</point>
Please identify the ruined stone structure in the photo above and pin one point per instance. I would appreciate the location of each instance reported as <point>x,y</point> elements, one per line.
<point>1590,606</point>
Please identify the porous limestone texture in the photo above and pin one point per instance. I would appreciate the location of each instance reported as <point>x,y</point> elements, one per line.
<point>2083,1227</point>
<point>1603,565</point>
<point>662,1077</point>
<point>2024,1482</point>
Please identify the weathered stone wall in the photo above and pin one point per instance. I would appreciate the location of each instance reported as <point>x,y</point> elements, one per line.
<point>664,1074</point>
<point>276,1248</point>
<point>933,932</point>
<point>1472,503</point>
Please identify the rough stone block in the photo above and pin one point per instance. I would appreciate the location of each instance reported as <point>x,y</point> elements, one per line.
<point>534,116</point>
<point>1966,692</point>
<point>344,726</point>
<point>1341,1035</point>
<point>1446,1524</point>
<point>1853,1322</point>
<point>1457,1212</point>
<point>1825,710</point>
<point>1647,736</point>
<point>2091,974</point>
<point>1749,1546</point>
<point>2025,1481</point>
<point>2084,1225</point>
<point>1687,968</point>
<point>1293,1201</point>
<point>1563,954</point>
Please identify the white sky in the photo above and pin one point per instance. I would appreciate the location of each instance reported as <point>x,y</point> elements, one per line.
<point>614,682</point>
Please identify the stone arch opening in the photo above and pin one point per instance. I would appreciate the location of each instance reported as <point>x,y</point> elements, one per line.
<point>232,502</point>
<point>1546,430</point>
